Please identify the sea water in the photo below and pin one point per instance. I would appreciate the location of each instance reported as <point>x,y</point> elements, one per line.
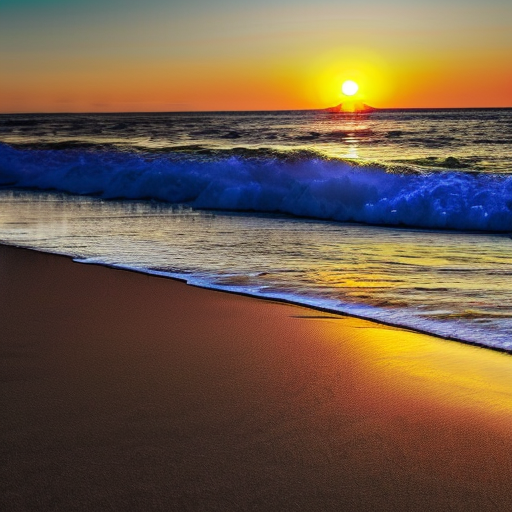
<point>399,216</point>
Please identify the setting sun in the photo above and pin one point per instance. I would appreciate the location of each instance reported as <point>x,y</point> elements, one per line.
<point>349,88</point>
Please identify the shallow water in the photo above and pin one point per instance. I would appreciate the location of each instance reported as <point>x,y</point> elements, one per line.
<point>447,283</point>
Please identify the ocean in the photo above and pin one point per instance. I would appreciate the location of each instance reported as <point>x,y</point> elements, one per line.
<point>400,216</point>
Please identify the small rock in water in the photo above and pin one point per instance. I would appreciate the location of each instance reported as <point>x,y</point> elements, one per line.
<point>453,162</point>
<point>231,135</point>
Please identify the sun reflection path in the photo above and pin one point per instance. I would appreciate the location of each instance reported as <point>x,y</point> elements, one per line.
<point>431,371</point>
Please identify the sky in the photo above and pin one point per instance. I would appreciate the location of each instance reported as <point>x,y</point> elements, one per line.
<point>195,55</point>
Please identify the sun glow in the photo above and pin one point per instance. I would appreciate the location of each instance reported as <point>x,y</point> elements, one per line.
<point>349,88</point>
<point>324,78</point>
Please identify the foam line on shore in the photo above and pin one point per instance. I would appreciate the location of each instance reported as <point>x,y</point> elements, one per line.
<point>323,305</point>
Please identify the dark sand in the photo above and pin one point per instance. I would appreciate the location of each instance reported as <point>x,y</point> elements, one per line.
<point>121,391</point>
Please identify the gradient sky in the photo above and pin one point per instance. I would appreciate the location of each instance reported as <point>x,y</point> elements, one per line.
<point>165,55</point>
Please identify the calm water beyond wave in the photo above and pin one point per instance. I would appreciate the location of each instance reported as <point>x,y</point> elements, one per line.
<point>399,216</point>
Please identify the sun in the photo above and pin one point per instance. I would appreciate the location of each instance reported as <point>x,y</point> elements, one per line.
<point>349,88</point>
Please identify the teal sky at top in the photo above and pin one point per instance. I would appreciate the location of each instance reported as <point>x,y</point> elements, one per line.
<point>28,9</point>
<point>32,23</point>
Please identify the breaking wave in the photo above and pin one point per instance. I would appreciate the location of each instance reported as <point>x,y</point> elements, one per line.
<point>296,183</point>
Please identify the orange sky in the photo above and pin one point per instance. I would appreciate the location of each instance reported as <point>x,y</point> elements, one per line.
<point>69,56</point>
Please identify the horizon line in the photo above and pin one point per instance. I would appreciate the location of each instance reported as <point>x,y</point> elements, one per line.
<point>243,111</point>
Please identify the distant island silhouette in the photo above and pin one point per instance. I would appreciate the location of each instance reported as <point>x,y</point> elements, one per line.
<point>350,106</point>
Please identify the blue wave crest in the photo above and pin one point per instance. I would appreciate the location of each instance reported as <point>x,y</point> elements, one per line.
<point>308,186</point>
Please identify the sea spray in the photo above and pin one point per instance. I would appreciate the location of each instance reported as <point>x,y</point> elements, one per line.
<point>311,187</point>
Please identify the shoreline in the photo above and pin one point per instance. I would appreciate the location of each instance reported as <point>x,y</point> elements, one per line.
<point>278,300</point>
<point>127,391</point>
<point>186,112</point>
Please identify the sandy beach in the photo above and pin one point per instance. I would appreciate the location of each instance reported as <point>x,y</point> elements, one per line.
<point>122,391</point>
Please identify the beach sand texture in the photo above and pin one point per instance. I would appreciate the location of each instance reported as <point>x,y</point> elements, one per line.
<point>122,391</point>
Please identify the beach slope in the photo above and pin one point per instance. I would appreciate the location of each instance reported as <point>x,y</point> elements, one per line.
<point>122,391</point>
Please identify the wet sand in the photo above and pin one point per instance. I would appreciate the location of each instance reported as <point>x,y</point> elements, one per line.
<point>121,391</point>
